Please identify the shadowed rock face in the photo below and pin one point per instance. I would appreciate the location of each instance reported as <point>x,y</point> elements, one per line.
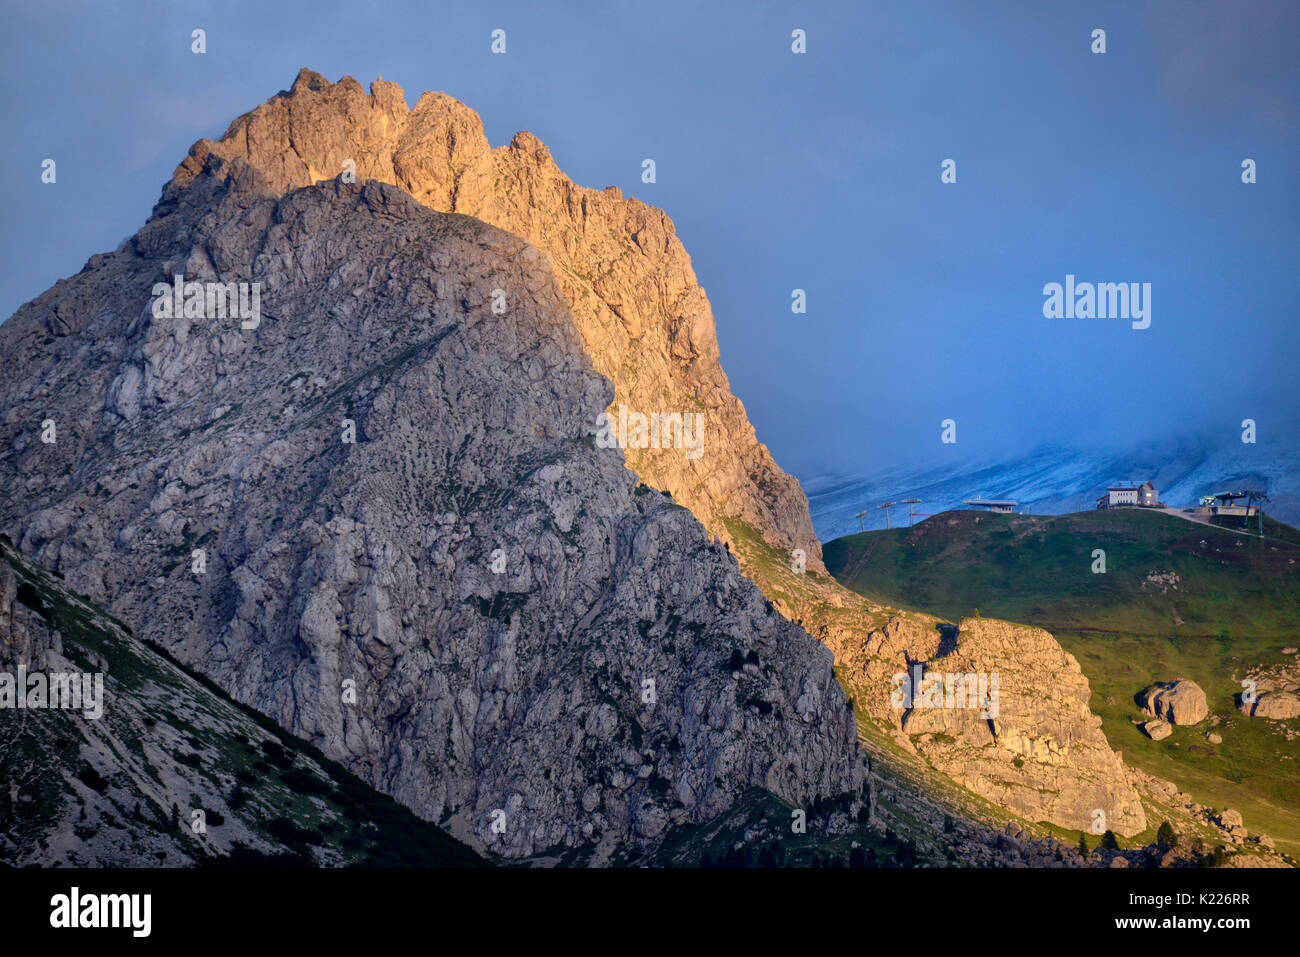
<point>642,317</point>
<point>1029,742</point>
<point>497,591</point>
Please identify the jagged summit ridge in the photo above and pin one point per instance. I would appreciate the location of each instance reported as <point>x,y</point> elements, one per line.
<point>643,318</point>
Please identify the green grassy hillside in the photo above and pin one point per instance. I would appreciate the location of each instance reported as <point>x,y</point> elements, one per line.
<point>1039,569</point>
<point>1176,599</point>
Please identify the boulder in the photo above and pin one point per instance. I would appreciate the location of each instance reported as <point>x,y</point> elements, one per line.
<point>1157,730</point>
<point>1178,702</point>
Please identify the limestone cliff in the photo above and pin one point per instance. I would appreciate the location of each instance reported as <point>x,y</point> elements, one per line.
<point>1003,710</point>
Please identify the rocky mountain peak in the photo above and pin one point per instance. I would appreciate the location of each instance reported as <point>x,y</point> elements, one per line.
<point>642,316</point>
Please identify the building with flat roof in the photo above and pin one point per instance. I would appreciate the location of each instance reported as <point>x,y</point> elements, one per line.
<point>993,505</point>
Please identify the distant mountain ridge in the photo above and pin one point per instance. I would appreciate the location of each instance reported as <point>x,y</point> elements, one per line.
<point>1055,480</point>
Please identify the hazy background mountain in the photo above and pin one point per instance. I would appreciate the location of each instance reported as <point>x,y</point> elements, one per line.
<point>1053,480</point>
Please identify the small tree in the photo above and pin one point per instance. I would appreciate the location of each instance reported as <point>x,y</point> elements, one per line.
<point>1166,836</point>
<point>1108,841</point>
<point>1083,844</point>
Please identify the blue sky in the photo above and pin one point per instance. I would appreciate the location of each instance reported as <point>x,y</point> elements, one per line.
<point>818,171</point>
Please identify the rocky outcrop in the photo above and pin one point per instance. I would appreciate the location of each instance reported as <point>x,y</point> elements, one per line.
<point>1179,702</point>
<point>1274,705</point>
<point>1230,818</point>
<point>1003,710</point>
<point>24,638</point>
<point>379,515</point>
<point>642,316</point>
<point>1272,691</point>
